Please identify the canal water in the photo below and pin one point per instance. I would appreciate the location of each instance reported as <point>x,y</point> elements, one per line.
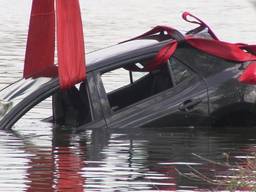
<point>34,157</point>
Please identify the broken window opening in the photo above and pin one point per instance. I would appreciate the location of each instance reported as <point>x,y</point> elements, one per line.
<point>122,93</point>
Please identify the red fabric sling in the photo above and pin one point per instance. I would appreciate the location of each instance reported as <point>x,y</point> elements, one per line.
<point>224,50</point>
<point>160,59</point>
<point>202,24</point>
<point>70,43</point>
<point>162,56</point>
<point>249,74</point>
<point>39,57</point>
<point>158,29</point>
<point>249,48</point>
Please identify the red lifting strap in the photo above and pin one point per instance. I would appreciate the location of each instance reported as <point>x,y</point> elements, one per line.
<point>70,43</point>
<point>160,59</point>
<point>158,29</point>
<point>249,48</point>
<point>198,21</point>
<point>39,57</point>
<point>162,56</point>
<point>249,75</point>
<point>228,51</point>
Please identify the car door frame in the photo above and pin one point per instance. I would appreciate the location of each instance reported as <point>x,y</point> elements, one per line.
<point>139,114</point>
<point>98,118</point>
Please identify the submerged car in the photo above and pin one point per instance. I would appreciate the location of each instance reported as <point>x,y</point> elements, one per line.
<point>192,88</point>
<point>130,85</point>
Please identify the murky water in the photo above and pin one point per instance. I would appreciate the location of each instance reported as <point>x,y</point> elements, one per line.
<point>35,158</point>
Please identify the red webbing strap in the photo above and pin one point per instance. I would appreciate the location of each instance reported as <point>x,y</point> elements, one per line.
<point>228,51</point>
<point>249,74</point>
<point>198,21</point>
<point>158,29</point>
<point>162,56</point>
<point>224,50</point>
<point>69,165</point>
<point>39,57</point>
<point>70,43</point>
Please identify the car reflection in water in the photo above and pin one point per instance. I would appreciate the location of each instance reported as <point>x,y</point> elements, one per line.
<point>135,159</point>
<point>55,169</point>
<point>105,164</point>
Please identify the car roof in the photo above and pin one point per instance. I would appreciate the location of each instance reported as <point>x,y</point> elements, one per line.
<point>122,51</point>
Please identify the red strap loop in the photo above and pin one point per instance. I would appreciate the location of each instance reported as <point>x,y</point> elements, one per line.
<point>198,21</point>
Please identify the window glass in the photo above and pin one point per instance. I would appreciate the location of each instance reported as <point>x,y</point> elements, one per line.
<point>204,63</point>
<point>179,71</point>
<point>69,108</point>
<point>13,95</point>
<point>115,79</point>
<point>138,75</point>
<point>38,117</point>
<point>122,92</point>
<point>38,120</point>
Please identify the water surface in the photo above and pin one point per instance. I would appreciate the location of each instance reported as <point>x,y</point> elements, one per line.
<point>34,157</point>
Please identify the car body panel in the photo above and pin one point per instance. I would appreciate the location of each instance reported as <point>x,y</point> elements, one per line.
<point>163,109</point>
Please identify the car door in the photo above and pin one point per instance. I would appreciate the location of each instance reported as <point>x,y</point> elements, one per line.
<point>185,103</point>
<point>188,103</point>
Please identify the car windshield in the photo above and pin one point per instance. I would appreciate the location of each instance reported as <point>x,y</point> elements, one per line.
<point>13,94</point>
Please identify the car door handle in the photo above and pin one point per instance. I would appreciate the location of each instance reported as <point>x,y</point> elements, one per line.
<point>188,105</point>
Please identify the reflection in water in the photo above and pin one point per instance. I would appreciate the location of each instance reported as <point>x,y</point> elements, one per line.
<point>135,160</point>
<point>57,168</point>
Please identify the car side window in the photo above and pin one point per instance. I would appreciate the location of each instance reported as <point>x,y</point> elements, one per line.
<point>179,71</point>
<point>204,63</point>
<point>69,107</point>
<point>39,115</point>
<point>115,79</point>
<point>134,84</point>
<point>119,78</point>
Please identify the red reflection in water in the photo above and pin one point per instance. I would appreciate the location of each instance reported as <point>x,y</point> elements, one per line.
<point>56,170</point>
<point>40,174</point>
<point>69,167</point>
